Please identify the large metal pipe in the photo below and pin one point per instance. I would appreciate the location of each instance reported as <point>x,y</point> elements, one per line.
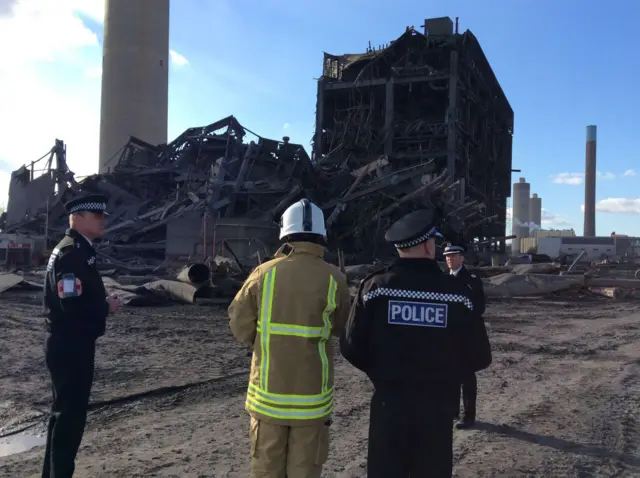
<point>590,183</point>
<point>135,75</point>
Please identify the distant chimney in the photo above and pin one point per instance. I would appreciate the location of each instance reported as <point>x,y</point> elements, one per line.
<point>590,183</point>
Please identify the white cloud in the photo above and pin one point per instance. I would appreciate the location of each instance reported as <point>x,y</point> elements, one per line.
<point>47,103</point>
<point>177,59</point>
<point>575,179</point>
<point>286,126</point>
<point>50,79</point>
<point>568,178</point>
<point>42,30</point>
<point>629,172</point>
<point>606,175</point>
<point>93,72</point>
<point>550,220</point>
<point>617,206</point>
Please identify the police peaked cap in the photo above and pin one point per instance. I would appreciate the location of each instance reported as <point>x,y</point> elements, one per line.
<point>413,229</point>
<point>453,249</point>
<point>87,202</point>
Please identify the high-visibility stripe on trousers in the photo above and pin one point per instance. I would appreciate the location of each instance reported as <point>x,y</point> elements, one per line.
<point>260,397</point>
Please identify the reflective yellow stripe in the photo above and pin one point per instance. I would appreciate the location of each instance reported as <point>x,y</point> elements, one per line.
<point>322,345</point>
<point>265,319</point>
<point>290,406</point>
<point>298,330</point>
<point>289,413</point>
<point>287,399</point>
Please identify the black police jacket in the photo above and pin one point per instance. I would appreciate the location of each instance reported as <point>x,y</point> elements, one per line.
<point>82,314</point>
<point>479,352</point>
<point>408,327</point>
<point>477,290</point>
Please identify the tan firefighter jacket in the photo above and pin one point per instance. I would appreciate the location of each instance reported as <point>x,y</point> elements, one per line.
<point>287,311</point>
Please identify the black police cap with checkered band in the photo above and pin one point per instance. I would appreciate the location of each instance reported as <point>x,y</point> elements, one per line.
<point>453,249</point>
<point>413,229</point>
<point>87,202</point>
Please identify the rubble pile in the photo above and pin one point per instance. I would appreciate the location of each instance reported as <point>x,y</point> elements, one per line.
<point>220,172</point>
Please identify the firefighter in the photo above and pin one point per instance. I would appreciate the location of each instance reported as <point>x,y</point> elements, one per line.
<point>76,306</point>
<point>287,310</point>
<point>406,329</point>
<point>454,255</point>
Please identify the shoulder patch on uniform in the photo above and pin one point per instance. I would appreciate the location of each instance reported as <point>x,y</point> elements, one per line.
<point>420,314</point>
<point>473,275</point>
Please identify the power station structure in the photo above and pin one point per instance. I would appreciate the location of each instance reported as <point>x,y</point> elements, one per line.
<point>520,209</point>
<point>526,210</point>
<point>429,98</point>
<point>135,76</point>
<point>590,183</point>
<point>535,211</point>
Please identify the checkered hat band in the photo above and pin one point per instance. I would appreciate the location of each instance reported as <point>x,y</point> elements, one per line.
<point>418,294</point>
<point>89,206</point>
<point>418,240</point>
<point>453,250</point>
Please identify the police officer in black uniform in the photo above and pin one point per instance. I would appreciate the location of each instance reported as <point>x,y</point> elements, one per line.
<point>454,255</point>
<point>407,327</point>
<point>76,307</point>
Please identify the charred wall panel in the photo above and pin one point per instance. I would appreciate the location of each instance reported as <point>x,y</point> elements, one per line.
<point>26,196</point>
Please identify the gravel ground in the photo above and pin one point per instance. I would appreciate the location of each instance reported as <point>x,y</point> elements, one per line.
<point>562,398</point>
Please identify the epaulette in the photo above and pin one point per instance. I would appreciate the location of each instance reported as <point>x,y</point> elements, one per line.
<point>66,243</point>
<point>371,275</point>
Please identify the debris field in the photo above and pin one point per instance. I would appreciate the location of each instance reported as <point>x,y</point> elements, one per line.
<point>561,398</point>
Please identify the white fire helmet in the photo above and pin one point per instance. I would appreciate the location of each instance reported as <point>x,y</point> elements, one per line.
<point>302,217</point>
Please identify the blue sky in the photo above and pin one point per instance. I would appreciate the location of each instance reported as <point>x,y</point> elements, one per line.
<point>562,64</point>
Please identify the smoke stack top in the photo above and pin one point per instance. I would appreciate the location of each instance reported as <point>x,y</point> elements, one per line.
<point>592,133</point>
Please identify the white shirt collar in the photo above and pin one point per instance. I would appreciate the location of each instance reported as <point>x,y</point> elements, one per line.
<point>455,273</point>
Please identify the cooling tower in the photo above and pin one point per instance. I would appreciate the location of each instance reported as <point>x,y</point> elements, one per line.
<point>135,75</point>
<point>535,210</point>
<point>520,212</point>
<point>590,183</point>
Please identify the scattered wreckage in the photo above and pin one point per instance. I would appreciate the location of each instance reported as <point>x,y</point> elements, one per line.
<point>212,191</point>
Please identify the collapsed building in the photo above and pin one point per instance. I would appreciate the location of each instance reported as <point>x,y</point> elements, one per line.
<point>426,104</point>
<point>420,121</point>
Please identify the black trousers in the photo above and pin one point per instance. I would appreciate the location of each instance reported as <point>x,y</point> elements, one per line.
<point>410,436</point>
<point>70,361</point>
<point>469,396</point>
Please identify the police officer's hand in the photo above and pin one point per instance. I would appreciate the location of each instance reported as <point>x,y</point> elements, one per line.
<point>114,304</point>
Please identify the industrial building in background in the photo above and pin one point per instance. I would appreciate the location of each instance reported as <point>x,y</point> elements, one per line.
<point>520,209</point>
<point>535,211</point>
<point>135,76</point>
<point>590,183</point>
<point>425,104</point>
<point>526,217</point>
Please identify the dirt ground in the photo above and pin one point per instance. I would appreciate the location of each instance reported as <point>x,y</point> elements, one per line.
<point>562,398</point>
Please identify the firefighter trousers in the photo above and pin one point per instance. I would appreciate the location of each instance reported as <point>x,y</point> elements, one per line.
<point>71,364</point>
<point>279,451</point>
<point>410,437</point>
